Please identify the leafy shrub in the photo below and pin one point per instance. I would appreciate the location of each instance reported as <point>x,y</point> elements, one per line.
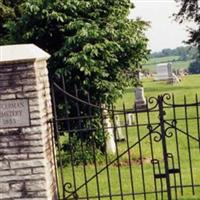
<point>77,151</point>
<point>194,67</point>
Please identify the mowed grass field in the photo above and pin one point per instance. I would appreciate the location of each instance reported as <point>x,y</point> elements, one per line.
<point>176,63</point>
<point>189,86</point>
<point>132,174</point>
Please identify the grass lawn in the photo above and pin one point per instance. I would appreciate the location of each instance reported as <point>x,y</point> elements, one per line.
<point>133,173</point>
<point>189,87</point>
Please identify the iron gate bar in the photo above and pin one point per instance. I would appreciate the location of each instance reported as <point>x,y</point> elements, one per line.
<point>102,108</point>
<point>140,152</point>
<point>185,186</point>
<point>183,119</point>
<point>115,195</point>
<point>198,124</point>
<point>106,156</point>
<point>94,157</point>
<point>111,162</point>
<point>68,127</point>
<point>79,125</point>
<point>152,151</point>
<point>157,162</point>
<point>188,142</point>
<point>117,151</point>
<point>164,146</point>
<point>142,110</point>
<point>185,133</point>
<point>129,156</point>
<point>161,180</point>
<point>177,143</point>
<point>93,129</point>
<point>173,171</point>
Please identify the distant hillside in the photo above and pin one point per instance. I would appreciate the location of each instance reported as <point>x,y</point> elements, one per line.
<point>180,57</point>
<point>183,53</point>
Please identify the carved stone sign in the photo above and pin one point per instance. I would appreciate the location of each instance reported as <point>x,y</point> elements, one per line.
<point>14,113</point>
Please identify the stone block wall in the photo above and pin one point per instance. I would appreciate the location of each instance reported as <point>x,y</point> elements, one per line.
<point>27,166</point>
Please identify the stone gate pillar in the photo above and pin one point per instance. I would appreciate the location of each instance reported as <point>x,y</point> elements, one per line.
<point>26,137</point>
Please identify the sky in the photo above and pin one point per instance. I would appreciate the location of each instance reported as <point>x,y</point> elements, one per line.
<point>164,31</point>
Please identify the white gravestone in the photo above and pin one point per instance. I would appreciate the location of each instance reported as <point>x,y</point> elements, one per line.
<point>140,101</point>
<point>131,119</point>
<point>119,133</point>
<point>110,139</point>
<point>109,132</point>
<point>163,72</point>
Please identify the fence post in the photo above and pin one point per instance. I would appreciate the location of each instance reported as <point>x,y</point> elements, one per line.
<point>27,166</point>
<point>164,145</point>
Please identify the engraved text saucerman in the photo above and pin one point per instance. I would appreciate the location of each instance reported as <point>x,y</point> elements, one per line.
<point>14,113</point>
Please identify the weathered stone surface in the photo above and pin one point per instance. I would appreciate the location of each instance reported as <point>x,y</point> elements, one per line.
<point>7,96</point>
<point>4,187</point>
<point>14,178</point>
<point>38,170</point>
<point>7,172</point>
<point>35,185</point>
<point>26,163</point>
<point>24,171</point>
<point>26,167</point>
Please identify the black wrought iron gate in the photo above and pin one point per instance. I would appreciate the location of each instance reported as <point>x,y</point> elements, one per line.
<point>104,152</point>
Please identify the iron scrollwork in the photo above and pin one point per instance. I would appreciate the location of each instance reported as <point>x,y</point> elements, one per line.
<point>68,189</point>
<point>166,97</point>
<point>157,135</point>
<point>154,102</point>
<point>168,130</point>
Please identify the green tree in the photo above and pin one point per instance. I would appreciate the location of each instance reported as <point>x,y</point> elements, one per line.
<point>9,10</point>
<point>194,67</point>
<point>189,11</point>
<point>92,42</point>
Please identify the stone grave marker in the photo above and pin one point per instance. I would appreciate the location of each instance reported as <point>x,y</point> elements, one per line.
<point>140,101</point>
<point>163,72</point>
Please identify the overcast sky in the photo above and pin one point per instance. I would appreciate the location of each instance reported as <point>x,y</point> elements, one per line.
<point>164,31</point>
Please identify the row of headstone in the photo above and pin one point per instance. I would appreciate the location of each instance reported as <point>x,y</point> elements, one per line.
<point>111,138</point>
<point>180,72</point>
<point>164,73</point>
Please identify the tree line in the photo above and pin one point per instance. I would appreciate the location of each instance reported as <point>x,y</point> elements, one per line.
<point>184,53</point>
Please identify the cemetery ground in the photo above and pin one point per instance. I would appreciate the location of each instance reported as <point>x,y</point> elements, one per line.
<point>186,91</point>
